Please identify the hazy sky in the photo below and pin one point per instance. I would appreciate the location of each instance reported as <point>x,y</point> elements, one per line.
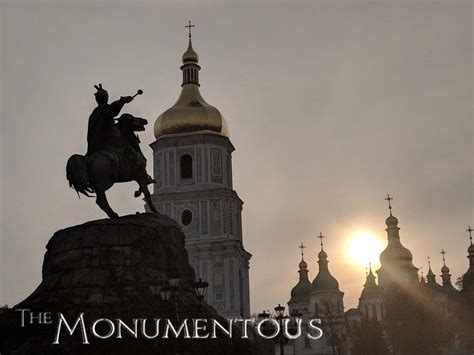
<point>330,105</point>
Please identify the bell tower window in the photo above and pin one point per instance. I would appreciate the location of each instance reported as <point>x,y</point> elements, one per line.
<point>186,167</point>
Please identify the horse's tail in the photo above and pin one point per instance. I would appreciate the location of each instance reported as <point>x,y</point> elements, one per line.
<point>76,174</point>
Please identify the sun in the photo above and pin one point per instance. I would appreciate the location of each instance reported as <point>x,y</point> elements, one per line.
<point>364,248</point>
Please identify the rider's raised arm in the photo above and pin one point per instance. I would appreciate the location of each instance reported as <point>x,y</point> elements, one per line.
<point>116,106</point>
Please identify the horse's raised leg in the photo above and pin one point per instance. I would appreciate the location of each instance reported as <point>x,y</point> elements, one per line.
<point>101,200</point>
<point>146,193</point>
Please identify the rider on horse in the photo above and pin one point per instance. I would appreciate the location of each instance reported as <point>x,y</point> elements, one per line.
<point>103,135</point>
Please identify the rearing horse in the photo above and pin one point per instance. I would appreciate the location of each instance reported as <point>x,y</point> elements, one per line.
<point>100,171</point>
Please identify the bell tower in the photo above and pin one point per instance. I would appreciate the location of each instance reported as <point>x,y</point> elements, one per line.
<point>192,166</point>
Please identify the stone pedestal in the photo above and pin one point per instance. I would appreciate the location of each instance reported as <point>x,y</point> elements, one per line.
<point>104,269</point>
<point>111,260</point>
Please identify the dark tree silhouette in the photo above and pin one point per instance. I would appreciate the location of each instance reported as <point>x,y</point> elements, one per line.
<point>332,325</point>
<point>414,322</point>
<point>464,320</point>
<point>368,339</point>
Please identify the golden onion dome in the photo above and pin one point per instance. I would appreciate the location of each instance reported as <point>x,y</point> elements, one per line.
<point>191,114</point>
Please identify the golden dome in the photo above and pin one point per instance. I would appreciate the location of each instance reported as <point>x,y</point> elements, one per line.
<point>190,114</point>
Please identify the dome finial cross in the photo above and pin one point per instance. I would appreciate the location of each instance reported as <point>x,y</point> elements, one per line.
<point>443,253</point>
<point>189,26</point>
<point>302,246</point>
<point>470,230</point>
<point>389,199</point>
<point>321,236</point>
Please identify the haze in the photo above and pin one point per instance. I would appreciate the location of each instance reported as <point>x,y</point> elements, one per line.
<point>330,105</point>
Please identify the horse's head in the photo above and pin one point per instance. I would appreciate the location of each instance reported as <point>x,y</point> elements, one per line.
<point>132,123</point>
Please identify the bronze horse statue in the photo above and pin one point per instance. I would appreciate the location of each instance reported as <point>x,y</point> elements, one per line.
<point>122,161</point>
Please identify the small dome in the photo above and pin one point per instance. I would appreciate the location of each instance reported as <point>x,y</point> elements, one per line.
<point>322,255</point>
<point>303,265</point>
<point>395,251</point>
<point>324,281</point>
<point>301,291</point>
<point>470,250</point>
<point>391,220</point>
<point>445,269</point>
<point>190,55</point>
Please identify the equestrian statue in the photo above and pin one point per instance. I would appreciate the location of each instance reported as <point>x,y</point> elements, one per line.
<point>113,153</point>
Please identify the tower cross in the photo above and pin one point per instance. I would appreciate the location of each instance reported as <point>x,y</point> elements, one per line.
<point>443,253</point>
<point>302,246</point>
<point>389,199</point>
<point>429,262</point>
<point>470,230</point>
<point>189,26</point>
<point>321,236</point>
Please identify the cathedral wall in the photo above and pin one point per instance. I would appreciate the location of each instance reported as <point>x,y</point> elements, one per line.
<point>225,265</point>
<point>372,307</point>
<point>193,176</point>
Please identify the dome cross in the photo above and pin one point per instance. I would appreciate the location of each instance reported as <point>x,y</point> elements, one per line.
<point>389,199</point>
<point>189,26</point>
<point>442,252</point>
<point>321,236</point>
<point>470,230</point>
<point>302,246</point>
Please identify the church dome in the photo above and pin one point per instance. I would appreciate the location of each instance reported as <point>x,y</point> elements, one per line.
<point>470,250</point>
<point>322,255</point>
<point>391,220</point>
<point>301,291</point>
<point>190,55</point>
<point>445,269</point>
<point>395,251</point>
<point>191,114</point>
<point>324,281</point>
<point>303,264</point>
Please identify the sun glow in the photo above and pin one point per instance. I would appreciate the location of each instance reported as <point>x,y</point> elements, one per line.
<point>364,248</point>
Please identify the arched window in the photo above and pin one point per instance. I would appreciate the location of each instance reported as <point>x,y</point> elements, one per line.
<point>186,167</point>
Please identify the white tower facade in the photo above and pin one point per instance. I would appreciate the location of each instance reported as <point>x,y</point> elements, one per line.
<point>192,159</point>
